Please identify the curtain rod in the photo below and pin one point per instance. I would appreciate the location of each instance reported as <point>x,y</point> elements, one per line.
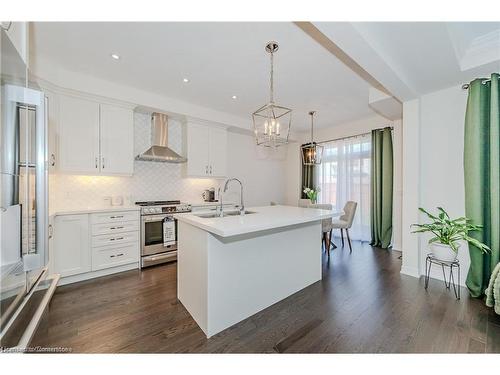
<point>465,86</point>
<point>353,136</point>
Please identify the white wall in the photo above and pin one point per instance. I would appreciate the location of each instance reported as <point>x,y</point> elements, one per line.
<point>411,181</point>
<point>263,177</point>
<point>434,132</point>
<point>293,168</point>
<point>18,34</point>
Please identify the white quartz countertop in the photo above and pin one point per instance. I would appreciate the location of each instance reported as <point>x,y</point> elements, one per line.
<point>98,209</point>
<point>263,218</point>
<point>93,210</point>
<point>210,204</point>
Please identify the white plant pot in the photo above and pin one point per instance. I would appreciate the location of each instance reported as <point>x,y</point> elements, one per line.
<point>443,252</point>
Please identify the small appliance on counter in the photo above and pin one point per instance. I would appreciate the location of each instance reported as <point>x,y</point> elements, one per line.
<point>209,195</point>
<point>159,231</point>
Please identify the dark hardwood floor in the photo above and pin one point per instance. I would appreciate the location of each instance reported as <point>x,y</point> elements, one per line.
<point>362,305</point>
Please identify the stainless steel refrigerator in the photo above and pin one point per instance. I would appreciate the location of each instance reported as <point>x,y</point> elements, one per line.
<point>25,288</point>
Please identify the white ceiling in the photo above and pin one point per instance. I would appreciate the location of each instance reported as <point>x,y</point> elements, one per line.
<point>220,59</point>
<point>415,58</point>
<point>225,59</point>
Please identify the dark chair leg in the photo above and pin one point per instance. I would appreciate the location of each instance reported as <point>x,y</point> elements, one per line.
<point>349,239</point>
<point>328,241</point>
<point>342,236</point>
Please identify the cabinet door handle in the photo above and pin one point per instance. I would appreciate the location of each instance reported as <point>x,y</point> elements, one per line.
<point>102,163</point>
<point>206,169</point>
<point>117,255</point>
<point>210,169</point>
<point>52,160</point>
<point>116,228</point>
<point>51,231</point>
<point>96,163</point>
<point>116,217</point>
<point>116,239</point>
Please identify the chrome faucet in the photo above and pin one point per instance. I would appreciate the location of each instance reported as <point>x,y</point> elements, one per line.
<point>242,206</point>
<point>220,212</point>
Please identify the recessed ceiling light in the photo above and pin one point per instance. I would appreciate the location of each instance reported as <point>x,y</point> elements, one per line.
<point>185,80</point>
<point>234,97</point>
<point>115,56</point>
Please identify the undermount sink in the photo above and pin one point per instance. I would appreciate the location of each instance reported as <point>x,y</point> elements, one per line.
<point>212,215</point>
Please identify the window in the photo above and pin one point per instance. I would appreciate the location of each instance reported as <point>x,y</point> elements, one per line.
<point>344,175</point>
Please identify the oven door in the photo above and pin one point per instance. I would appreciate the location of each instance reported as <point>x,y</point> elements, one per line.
<point>152,236</point>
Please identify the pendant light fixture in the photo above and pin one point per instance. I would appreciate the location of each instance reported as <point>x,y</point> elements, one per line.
<point>312,152</point>
<point>272,122</point>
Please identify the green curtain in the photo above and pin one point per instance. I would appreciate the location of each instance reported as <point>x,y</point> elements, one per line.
<point>381,188</point>
<point>307,178</point>
<point>482,177</point>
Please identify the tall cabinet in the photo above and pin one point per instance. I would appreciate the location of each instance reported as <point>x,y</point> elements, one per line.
<point>206,151</point>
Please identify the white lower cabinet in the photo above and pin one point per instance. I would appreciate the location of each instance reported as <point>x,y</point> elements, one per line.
<point>114,238</point>
<point>71,245</point>
<point>91,245</point>
<point>112,256</point>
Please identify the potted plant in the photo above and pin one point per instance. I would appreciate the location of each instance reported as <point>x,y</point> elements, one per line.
<point>447,234</point>
<point>311,194</point>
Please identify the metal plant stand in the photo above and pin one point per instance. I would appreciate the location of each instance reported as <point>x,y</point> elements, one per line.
<point>430,260</point>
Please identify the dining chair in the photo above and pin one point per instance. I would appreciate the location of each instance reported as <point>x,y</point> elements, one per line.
<point>326,226</point>
<point>345,221</point>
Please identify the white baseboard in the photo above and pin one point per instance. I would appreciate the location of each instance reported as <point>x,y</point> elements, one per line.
<point>93,275</point>
<point>410,271</point>
<point>437,275</point>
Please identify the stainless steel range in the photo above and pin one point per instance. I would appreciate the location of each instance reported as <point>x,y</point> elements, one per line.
<point>159,231</point>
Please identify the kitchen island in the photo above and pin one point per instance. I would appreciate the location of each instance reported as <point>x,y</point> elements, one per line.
<point>232,267</point>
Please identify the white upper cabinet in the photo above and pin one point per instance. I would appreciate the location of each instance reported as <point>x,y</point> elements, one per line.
<point>53,111</point>
<point>218,152</point>
<point>117,140</point>
<point>94,138</point>
<point>197,152</point>
<point>206,151</point>
<point>78,135</point>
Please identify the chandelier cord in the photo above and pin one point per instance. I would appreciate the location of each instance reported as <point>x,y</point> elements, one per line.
<point>271,94</point>
<point>312,127</point>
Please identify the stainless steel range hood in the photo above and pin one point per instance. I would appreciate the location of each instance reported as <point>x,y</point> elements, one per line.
<point>159,150</point>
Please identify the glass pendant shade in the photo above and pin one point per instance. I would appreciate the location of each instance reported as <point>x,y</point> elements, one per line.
<point>311,152</point>
<point>272,122</point>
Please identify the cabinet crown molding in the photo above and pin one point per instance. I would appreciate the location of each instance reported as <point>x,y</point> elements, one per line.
<point>47,85</point>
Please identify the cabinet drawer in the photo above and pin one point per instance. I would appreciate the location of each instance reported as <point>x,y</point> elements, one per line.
<point>112,256</point>
<point>113,217</point>
<point>117,238</point>
<point>118,227</point>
